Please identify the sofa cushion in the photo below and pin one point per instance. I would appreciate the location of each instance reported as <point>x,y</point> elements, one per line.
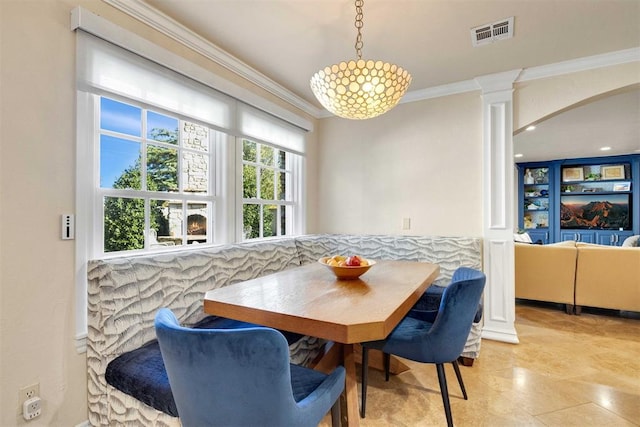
<point>607,277</point>
<point>546,272</point>
<point>141,373</point>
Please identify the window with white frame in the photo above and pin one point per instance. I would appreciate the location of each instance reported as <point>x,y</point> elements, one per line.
<point>155,178</point>
<point>268,201</point>
<point>164,163</point>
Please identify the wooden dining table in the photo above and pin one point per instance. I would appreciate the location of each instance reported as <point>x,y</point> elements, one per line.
<point>309,300</point>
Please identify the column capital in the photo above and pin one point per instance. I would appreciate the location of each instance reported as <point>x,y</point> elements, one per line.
<point>498,82</point>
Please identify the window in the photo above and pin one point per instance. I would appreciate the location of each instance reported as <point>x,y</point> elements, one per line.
<point>165,171</point>
<point>155,178</point>
<point>159,153</point>
<point>267,180</point>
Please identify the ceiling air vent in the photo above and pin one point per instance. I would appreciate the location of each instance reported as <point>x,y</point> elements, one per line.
<point>490,33</point>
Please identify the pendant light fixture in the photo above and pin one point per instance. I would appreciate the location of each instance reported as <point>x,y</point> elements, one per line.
<point>360,89</point>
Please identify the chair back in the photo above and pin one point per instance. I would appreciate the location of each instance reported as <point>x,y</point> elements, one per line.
<point>445,341</point>
<point>232,377</point>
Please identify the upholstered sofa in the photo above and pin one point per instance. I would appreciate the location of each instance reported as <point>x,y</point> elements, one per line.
<point>579,274</point>
<point>608,277</point>
<point>546,272</point>
<point>125,293</point>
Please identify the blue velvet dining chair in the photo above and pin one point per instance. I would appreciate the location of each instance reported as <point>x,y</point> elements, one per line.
<point>440,340</point>
<point>242,377</point>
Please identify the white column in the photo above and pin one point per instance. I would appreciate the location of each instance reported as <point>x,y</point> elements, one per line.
<point>498,206</point>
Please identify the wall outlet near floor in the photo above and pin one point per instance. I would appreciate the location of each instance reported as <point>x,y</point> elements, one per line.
<point>26,393</point>
<point>32,408</point>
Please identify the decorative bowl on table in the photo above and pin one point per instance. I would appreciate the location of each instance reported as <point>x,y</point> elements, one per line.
<point>346,272</point>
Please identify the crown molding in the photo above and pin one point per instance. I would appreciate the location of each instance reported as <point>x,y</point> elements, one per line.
<point>162,23</point>
<point>152,17</point>
<point>438,91</point>
<point>581,64</point>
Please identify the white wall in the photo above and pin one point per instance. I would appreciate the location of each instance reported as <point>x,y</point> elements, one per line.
<point>421,160</point>
<point>37,169</point>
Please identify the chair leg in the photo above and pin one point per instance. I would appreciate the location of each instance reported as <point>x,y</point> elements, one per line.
<point>365,373</point>
<point>387,365</point>
<point>459,375</point>
<point>335,414</point>
<point>442,379</point>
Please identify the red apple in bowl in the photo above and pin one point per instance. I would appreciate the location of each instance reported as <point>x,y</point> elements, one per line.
<point>353,261</point>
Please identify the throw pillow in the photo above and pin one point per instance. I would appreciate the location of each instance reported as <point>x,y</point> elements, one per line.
<point>633,241</point>
<point>522,237</point>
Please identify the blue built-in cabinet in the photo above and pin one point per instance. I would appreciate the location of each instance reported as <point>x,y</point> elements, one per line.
<point>591,200</point>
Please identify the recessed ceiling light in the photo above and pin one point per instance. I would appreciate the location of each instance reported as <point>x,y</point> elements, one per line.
<point>530,128</point>
<point>605,148</point>
<point>517,156</point>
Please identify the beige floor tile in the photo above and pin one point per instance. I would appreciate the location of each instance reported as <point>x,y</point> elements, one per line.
<point>566,371</point>
<point>588,414</point>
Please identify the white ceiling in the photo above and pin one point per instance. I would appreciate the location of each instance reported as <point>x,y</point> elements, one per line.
<point>289,40</point>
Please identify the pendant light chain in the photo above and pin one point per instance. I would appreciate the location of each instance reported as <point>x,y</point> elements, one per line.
<point>359,24</point>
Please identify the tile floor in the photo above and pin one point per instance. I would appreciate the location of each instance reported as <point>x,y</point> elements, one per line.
<point>566,371</point>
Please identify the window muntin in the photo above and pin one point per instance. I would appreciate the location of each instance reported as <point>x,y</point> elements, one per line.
<point>267,179</point>
<point>152,186</point>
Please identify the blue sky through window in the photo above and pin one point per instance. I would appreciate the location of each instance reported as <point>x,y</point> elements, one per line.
<point>119,117</point>
<point>116,155</point>
<point>119,154</point>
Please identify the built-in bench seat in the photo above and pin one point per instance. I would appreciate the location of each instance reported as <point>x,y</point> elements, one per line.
<point>141,373</point>
<point>125,293</point>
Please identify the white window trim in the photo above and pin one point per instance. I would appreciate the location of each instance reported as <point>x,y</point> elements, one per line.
<point>298,225</point>
<point>213,198</point>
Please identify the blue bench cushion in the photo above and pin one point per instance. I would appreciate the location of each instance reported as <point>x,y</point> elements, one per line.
<point>215,322</point>
<point>140,373</point>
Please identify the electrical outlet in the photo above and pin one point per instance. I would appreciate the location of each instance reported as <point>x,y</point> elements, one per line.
<point>32,408</point>
<point>406,223</point>
<point>26,393</point>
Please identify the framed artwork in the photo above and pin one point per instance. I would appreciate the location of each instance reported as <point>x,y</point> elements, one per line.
<point>612,172</point>
<point>572,174</point>
<point>623,186</point>
<point>585,211</point>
